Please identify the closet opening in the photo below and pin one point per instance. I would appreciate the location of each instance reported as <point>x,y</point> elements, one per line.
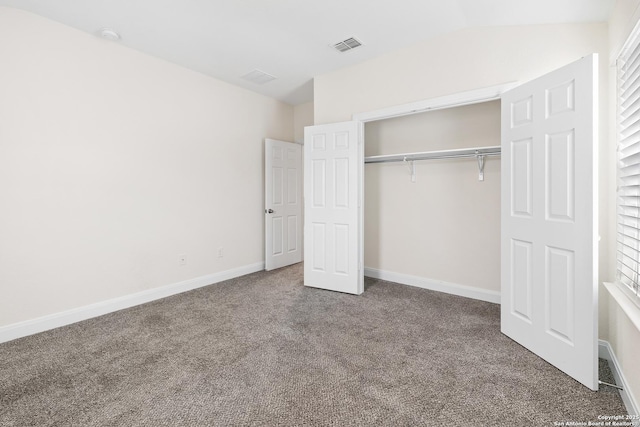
<point>434,223</point>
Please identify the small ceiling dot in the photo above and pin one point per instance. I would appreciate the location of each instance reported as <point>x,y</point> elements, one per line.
<point>109,34</point>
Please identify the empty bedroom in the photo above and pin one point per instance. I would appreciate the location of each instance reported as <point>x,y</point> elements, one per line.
<point>283,213</point>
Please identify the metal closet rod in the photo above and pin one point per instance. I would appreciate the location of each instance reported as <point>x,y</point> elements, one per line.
<point>433,155</point>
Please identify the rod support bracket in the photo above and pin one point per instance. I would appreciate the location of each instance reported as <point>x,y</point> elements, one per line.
<point>480,158</point>
<point>412,168</point>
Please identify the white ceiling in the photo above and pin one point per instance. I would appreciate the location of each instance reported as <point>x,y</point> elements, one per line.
<point>291,39</point>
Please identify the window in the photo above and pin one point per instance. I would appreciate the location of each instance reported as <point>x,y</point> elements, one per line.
<point>628,198</point>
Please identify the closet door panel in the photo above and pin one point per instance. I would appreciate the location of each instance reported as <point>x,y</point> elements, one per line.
<point>560,179</point>
<point>549,218</point>
<point>522,179</point>
<point>333,241</point>
<point>521,279</point>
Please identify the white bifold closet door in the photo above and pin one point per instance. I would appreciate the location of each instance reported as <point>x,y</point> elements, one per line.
<point>549,218</point>
<point>334,159</point>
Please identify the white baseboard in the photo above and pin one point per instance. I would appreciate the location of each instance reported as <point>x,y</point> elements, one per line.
<point>605,351</point>
<point>435,285</point>
<point>45,323</point>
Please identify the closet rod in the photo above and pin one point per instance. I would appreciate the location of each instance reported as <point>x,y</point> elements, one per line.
<point>432,155</point>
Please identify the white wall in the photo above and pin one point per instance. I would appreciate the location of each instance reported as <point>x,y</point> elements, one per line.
<point>464,60</point>
<point>302,116</point>
<point>112,163</point>
<point>623,18</point>
<point>433,228</point>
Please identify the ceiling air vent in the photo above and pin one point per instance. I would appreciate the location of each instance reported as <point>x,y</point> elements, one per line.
<point>348,44</point>
<point>258,77</point>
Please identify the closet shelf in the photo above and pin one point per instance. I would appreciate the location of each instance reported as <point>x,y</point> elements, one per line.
<point>434,155</point>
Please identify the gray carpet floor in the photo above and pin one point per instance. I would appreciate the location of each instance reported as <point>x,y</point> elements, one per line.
<point>263,350</point>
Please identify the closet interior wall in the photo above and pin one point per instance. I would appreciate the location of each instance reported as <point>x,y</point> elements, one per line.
<point>446,225</point>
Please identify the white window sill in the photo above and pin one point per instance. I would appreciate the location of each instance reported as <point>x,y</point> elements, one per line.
<point>626,302</point>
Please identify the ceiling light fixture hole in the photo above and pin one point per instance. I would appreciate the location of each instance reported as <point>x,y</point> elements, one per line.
<point>109,34</point>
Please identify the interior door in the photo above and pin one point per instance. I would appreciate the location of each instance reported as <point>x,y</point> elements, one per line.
<point>549,218</point>
<point>283,203</point>
<point>333,163</point>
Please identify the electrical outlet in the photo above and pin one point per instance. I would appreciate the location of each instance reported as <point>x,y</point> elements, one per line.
<point>220,252</point>
<point>182,259</point>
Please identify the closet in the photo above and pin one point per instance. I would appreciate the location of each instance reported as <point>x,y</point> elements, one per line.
<point>433,222</point>
<point>547,208</point>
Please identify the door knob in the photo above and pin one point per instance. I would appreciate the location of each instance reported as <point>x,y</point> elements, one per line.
<point>269,211</point>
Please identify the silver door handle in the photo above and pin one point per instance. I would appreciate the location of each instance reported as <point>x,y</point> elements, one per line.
<point>268,211</point>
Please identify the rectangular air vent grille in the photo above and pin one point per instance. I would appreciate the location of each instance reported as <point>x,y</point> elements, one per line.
<point>348,44</point>
<point>259,77</point>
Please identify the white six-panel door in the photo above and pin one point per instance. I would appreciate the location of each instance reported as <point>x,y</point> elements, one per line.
<point>283,203</point>
<point>333,161</point>
<point>549,218</point>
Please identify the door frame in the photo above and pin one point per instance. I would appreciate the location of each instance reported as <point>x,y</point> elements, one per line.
<point>459,99</point>
<point>476,96</point>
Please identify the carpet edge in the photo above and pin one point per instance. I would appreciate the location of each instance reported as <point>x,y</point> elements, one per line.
<point>435,285</point>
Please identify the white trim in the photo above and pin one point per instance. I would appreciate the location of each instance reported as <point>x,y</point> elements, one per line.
<point>435,285</point>
<point>605,351</point>
<point>459,99</point>
<point>56,320</point>
<point>630,307</point>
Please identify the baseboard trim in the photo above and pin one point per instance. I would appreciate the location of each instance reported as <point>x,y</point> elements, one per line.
<point>434,285</point>
<point>605,351</point>
<point>56,320</point>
